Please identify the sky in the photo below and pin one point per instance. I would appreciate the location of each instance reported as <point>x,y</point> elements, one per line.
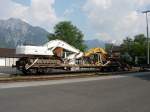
<point>107,20</point>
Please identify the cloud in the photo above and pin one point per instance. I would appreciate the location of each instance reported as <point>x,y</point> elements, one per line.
<point>9,8</point>
<point>104,35</point>
<point>38,13</point>
<point>68,12</point>
<point>116,18</point>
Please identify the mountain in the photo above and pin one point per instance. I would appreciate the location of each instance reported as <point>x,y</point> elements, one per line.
<point>94,43</point>
<point>15,31</point>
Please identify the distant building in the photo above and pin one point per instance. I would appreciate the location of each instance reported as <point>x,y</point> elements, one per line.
<point>113,50</point>
<point>116,52</point>
<point>7,57</point>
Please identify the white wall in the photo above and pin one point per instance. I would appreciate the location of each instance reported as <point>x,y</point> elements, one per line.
<point>2,61</point>
<point>8,61</point>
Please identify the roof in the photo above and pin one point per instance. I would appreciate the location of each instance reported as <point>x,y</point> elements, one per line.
<point>7,52</point>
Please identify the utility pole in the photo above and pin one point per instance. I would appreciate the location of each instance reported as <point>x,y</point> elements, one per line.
<point>147,29</point>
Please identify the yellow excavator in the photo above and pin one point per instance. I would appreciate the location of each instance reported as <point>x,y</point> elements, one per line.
<point>96,56</point>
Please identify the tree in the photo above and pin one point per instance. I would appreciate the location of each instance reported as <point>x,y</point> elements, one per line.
<point>69,33</point>
<point>140,39</point>
<point>127,43</point>
<point>126,53</point>
<point>136,48</point>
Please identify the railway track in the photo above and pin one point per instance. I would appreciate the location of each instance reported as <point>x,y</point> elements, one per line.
<point>59,76</point>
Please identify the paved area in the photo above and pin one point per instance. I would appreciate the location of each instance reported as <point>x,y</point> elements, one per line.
<point>127,93</point>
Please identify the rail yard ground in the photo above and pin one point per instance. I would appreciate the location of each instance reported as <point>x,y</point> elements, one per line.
<point>119,93</point>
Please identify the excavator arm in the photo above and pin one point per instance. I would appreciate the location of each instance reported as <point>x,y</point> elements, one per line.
<point>52,45</point>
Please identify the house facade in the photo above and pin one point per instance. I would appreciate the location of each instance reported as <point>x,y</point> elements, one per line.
<point>7,57</point>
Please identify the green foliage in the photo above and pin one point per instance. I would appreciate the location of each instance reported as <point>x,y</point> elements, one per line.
<point>69,33</point>
<point>141,39</point>
<point>136,47</point>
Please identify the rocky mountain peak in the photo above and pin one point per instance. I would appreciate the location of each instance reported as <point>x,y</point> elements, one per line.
<point>14,31</point>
